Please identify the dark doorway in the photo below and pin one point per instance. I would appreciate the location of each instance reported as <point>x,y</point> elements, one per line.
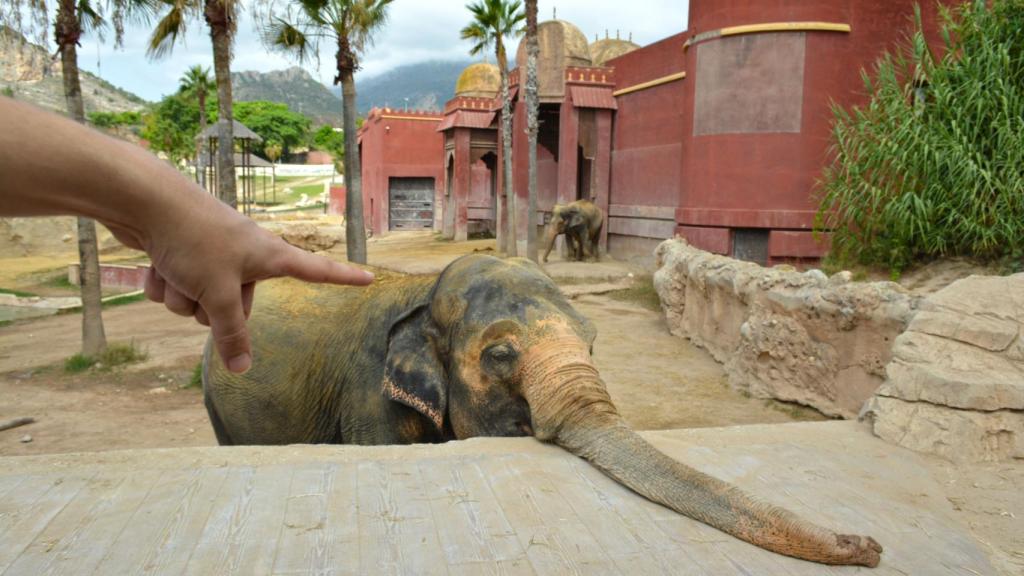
<point>751,245</point>
<point>412,203</point>
<point>584,169</point>
<point>491,161</point>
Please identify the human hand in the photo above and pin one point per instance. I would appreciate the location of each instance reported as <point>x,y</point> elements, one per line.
<point>206,261</point>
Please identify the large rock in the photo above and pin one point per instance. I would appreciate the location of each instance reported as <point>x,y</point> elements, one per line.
<point>796,336</point>
<point>306,235</point>
<point>955,385</point>
<point>47,236</point>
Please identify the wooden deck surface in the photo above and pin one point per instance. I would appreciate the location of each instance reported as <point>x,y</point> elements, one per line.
<point>489,506</point>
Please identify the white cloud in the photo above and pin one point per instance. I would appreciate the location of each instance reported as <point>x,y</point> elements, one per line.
<point>417,31</point>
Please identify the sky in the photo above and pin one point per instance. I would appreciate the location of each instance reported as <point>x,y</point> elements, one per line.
<point>417,31</point>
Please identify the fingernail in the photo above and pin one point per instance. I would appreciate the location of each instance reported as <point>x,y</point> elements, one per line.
<point>369,275</point>
<point>240,364</point>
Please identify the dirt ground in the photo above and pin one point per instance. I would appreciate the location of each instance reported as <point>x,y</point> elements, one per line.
<point>658,382</point>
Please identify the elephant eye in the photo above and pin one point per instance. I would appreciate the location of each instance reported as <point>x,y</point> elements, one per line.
<point>500,353</point>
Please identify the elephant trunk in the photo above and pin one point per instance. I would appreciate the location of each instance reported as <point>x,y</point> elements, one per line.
<point>570,406</point>
<point>550,234</point>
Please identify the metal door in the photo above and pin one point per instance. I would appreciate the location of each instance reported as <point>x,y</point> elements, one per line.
<point>412,203</point>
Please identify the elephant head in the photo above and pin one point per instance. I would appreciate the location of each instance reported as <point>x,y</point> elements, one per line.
<point>556,226</point>
<point>496,350</point>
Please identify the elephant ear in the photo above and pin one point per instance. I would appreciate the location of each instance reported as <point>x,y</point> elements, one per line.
<point>413,373</point>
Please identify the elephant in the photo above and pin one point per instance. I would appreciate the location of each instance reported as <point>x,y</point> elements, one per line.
<point>581,222</point>
<point>490,347</point>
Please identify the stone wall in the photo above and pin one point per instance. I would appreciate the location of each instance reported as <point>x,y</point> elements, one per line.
<point>796,336</point>
<point>956,381</point>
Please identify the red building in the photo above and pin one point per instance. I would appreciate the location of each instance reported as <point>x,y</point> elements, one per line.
<point>403,177</point>
<point>717,133</point>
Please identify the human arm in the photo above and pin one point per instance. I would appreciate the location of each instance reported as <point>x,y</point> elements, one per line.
<point>206,257</point>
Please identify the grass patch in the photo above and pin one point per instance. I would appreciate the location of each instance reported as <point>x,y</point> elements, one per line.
<point>78,363</point>
<point>641,293</point>
<point>119,354</point>
<point>61,281</point>
<point>116,354</point>
<point>6,323</point>
<point>17,293</point>
<point>196,380</point>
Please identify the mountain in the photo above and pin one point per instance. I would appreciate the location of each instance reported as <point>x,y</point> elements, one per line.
<point>294,87</point>
<point>427,85</point>
<point>28,72</point>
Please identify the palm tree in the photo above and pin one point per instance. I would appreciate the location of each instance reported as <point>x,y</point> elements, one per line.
<point>494,22</point>
<point>196,82</point>
<point>73,18</point>
<point>220,17</point>
<point>532,51</point>
<point>349,25</point>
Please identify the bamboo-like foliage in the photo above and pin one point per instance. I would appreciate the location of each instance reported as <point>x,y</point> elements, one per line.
<point>933,164</point>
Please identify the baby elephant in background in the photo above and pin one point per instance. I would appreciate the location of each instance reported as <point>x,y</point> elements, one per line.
<point>491,347</point>
<point>581,223</point>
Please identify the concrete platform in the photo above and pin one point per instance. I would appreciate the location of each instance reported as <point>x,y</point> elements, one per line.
<point>488,506</point>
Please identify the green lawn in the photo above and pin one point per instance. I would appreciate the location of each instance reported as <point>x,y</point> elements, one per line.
<point>286,190</point>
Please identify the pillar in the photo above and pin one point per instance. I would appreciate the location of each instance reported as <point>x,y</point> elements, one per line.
<point>461,185</point>
<point>568,143</point>
<point>601,178</point>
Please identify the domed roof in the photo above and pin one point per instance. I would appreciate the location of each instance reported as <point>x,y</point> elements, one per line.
<point>480,80</point>
<point>561,45</point>
<point>607,49</point>
<point>558,40</point>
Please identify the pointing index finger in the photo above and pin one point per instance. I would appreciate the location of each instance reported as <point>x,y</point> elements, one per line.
<point>308,267</point>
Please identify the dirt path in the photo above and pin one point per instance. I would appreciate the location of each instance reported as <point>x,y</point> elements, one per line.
<point>167,338</point>
<point>661,382</point>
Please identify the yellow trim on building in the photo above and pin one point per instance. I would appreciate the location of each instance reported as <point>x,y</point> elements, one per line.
<point>650,83</point>
<point>786,27</point>
<point>769,27</point>
<point>421,118</point>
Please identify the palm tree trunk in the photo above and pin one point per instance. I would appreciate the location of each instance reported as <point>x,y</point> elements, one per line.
<point>532,50</point>
<point>355,232</point>
<point>220,34</point>
<point>506,153</point>
<point>94,339</point>
<point>201,147</point>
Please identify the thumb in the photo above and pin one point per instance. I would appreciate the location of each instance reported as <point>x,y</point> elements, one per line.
<point>230,334</point>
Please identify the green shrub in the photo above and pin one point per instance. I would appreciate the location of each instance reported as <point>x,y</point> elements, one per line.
<point>119,354</point>
<point>933,164</point>
<point>78,363</point>
<point>116,354</point>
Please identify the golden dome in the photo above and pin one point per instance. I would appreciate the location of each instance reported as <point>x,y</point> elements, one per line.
<point>560,43</point>
<point>480,80</point>
<point>607,49</point>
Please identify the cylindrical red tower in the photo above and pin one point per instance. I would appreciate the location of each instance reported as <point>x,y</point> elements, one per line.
<point>761,77</point>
